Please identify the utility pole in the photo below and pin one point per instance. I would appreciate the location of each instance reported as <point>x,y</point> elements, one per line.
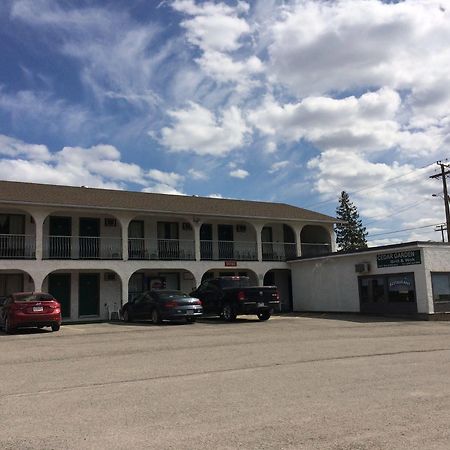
<point>444,174</point>
<point>441,228</point>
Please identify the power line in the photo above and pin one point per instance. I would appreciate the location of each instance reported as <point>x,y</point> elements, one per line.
<point>377,219</point>
<point>404,229</point>
<point>372,186</point>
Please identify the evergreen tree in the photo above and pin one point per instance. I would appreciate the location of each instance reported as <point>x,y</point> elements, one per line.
<point>350,235</point>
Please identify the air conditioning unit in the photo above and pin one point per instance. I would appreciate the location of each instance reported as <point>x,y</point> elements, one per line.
<point>362,267</point>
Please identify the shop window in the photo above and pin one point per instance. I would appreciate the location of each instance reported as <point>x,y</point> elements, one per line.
<point>441,287</point>
<point>388,288</point>
<point>401,288</point>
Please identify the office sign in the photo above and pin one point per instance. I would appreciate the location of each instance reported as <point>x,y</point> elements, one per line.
<point>230,263</point>
<point>395,259</point>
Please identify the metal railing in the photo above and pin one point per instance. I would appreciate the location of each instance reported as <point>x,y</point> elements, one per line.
<point>278,251</point>
<point>228,250</point>
<point>18,246</point>
<point>82,247</point>
<point>315,249</point>
<point>166,249</point>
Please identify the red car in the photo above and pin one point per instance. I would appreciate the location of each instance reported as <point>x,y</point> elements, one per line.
<point>30,309</point>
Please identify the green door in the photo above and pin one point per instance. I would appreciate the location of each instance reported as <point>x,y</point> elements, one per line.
<point>89,294</point>
<point>60,230</point>
<point>59,285</point>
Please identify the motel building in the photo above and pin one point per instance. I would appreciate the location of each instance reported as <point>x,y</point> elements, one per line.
<point>94,249</point>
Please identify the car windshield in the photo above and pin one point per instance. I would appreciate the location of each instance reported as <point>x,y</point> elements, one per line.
<point>169,295</point>
<point>235,282</point>
<point>32,297</point>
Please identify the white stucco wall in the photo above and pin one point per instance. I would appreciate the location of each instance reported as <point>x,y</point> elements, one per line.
<point>331,283</point>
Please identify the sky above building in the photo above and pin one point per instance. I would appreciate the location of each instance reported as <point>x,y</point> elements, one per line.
<point>285,101</point>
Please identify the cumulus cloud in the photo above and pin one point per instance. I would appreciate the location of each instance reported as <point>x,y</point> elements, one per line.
<point>199,131</point>
<point>319,47</point>
<point>97,166</point>
<point>15,148</point>
<point>367,122</point>
<point>219,32</point>
<point>239,173</point>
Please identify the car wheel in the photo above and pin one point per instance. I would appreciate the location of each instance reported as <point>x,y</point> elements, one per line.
<point>156,317</point>
<point>228,313</point>
<point>7,327</point>
<point>264,315</point>
<point>56,327</point>
<point>126,316</point>
<point>190,319</point>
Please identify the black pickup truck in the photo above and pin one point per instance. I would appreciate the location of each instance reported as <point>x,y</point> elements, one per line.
<point>233,296</point>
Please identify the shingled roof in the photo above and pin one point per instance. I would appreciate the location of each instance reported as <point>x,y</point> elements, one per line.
<point>12,192</point>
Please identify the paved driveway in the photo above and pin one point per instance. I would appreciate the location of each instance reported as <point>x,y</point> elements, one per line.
<point>320,382</point>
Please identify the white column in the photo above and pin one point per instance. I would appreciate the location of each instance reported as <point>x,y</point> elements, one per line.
<point>197,226</point>
<point>39,218</point>
<point>258,229</point>
<point>124,222</point>
<point>298,231</point>
<point>125,281</point>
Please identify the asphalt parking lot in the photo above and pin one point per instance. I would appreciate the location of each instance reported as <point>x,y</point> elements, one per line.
<point>294,382</point>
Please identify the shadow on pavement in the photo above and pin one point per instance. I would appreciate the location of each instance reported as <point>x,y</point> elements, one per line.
<point>351,317</point>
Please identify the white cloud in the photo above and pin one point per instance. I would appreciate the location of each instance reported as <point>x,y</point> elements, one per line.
<point>166,178</point>
<point>12,147</point>
<point>114,65</point>
<point>367,123</point>
<point>161,188</point>
<point>215,26</point>
<point>218,31</point>
<point>197,174</point>
<point>280,165</point>
<point>198,131</point>
<point>96,166</point>
<point>239,173</point>
<point>34,107</point>
<point>320,47</point>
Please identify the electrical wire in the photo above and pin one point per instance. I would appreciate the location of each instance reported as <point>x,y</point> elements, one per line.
<point>405,229</point>
<point>372,186</point>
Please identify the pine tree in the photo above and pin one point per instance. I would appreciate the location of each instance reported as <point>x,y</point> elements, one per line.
<point>350,235</point>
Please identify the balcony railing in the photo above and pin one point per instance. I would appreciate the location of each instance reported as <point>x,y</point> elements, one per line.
<point>278,251</point>
<point>18,246</point>
<point>82,247</point>
<point>165,249</point>
<point>228,250</point>
<point>312,249</point>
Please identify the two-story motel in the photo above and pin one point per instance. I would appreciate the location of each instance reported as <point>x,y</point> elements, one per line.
<point>95,248</point>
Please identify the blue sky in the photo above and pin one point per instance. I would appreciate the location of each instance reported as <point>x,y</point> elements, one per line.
<point>287,101</point>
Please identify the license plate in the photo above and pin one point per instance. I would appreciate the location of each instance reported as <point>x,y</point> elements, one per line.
<point>190,312</point>
<point>38,308</point>
<point>261,305</point>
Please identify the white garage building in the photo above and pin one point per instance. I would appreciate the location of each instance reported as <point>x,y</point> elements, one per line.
<point>407,279</point>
